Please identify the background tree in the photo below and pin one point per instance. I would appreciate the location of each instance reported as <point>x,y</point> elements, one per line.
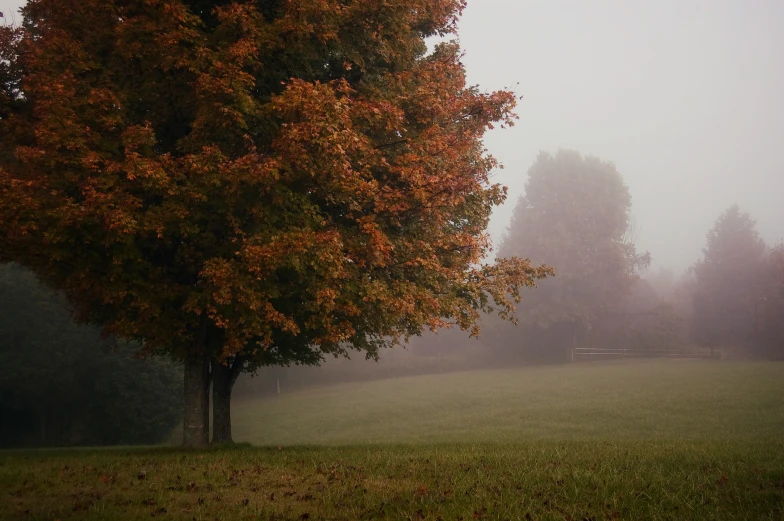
<point>664,283</point>
<point>658,330</point>
<point>769,306</point>
<point>727,282</point>
<point>574,216</point>
<point>238,184</point>
<point>60,384</point>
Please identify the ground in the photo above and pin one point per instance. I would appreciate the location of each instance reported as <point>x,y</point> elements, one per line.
<point>625,440</point>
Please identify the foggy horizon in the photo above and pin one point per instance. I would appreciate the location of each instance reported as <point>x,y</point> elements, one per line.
<point>680,96</point>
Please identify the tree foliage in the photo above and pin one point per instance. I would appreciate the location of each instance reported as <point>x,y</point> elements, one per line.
<point>574,216</point>
<point>728,282</point>
<point>61,385</point>
<point>252,183</point>
<point>661,329</point>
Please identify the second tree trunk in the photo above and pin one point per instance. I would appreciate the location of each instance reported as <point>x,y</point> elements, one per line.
<point>223,378</point>
<point>196,420</point>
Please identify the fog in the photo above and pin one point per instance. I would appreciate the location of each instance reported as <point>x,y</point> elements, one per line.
<point>683,96</point>
<point>10,10</point>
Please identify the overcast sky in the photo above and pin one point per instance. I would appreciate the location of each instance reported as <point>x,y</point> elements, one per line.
<point>686,97</point>
<point>12,7</point>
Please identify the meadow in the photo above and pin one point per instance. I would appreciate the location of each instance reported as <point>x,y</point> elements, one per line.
<point>645,439</point>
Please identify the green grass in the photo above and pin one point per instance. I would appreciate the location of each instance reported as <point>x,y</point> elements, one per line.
<point>635,400</point>
<point>637,440</point>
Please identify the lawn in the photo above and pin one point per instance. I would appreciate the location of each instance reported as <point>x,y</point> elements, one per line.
<point>626,440</point>
<point>611,401</point>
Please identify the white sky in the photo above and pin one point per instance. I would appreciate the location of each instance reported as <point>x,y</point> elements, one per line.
<point>10,9</point>
<point>685,96</point>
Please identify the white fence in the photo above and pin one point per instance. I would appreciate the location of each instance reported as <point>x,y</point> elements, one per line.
<point>599,353</point>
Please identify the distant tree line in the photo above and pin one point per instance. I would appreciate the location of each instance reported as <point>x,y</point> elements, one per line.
<point>61,384</point>
<point>575,215</point>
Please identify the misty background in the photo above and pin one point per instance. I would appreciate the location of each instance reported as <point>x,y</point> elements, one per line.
<point>682,95</point>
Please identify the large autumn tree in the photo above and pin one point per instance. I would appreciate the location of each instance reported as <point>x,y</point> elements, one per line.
<point>245,183</point>
<point>575,215</point>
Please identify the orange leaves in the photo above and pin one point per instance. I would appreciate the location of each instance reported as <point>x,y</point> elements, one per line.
<point>137,140</point>
<point>321,102</point>
<point>251,169</point>
<point>318,139</point>
<point>375,247</point>
<point>318,19</point>
<point>264,255</point>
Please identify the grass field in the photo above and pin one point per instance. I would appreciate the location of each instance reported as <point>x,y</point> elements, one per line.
<point>635,400</point>
<point>626,440</point>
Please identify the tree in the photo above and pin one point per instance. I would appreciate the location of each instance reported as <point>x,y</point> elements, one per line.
<point>664,283</point>
<point>727,282</point>
<point>769,306</point>
<point>238,184</point>
<point>60,385</point>
<point>660,329</point>
<point>574,216</point>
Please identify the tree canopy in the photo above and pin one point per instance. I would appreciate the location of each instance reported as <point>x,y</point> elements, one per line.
<point>575,216</point>
<point>242,183</point>
<point>727,288</point>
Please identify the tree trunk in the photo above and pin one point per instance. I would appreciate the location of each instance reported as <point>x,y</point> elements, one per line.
<point>196,423</point>
<point>43,427</point>
<point>206,391</point>
<point>224,377</point>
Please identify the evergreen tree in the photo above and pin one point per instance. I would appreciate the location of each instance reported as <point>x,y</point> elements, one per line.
<point>727,282</point>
